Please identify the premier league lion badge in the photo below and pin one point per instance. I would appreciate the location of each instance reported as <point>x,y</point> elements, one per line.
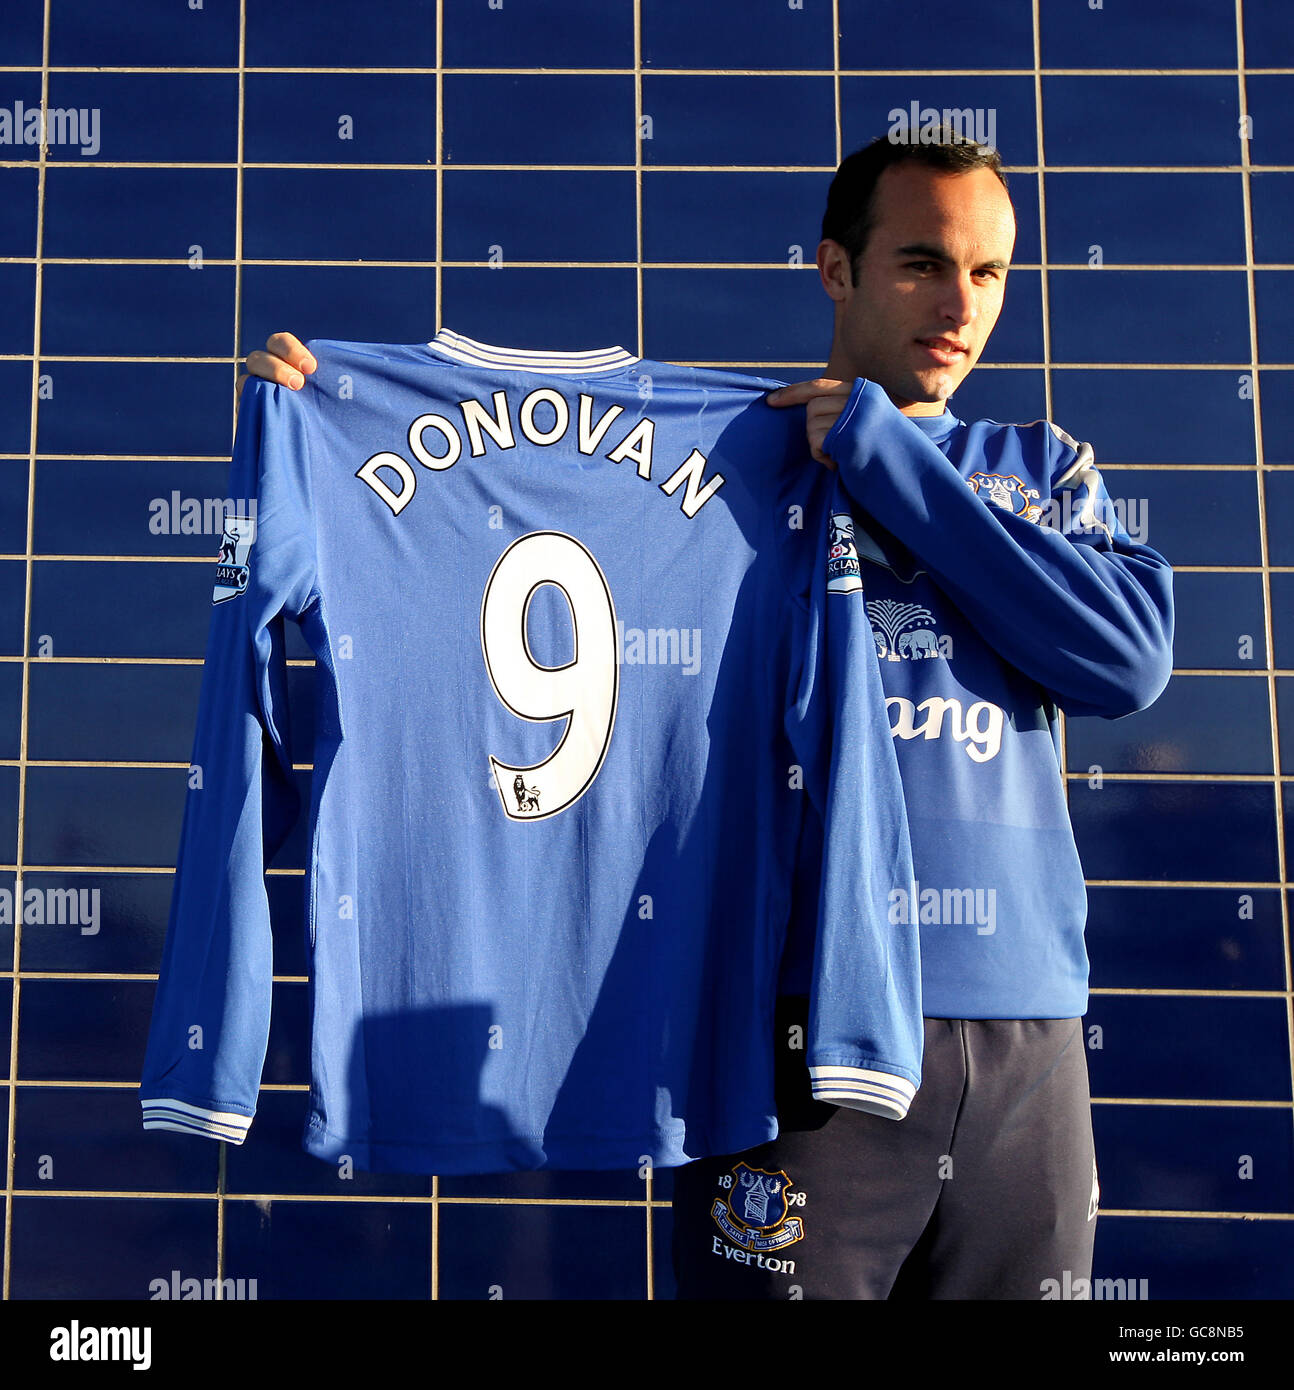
<point>844,575</point>
<point>756,1213</point>
<point>231,564</point>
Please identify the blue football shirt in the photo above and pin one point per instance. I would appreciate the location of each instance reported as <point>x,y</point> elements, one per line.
<point>590,649</point>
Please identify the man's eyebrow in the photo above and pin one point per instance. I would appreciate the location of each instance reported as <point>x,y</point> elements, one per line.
<point>921,248</point>
<point>935,253</point>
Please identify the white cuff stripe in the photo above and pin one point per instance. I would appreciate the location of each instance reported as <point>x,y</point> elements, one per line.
<point>862,1089</point>
<point>195,1119</point>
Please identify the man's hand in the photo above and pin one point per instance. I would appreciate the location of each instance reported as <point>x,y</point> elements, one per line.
<point>824,399</point>
<point>284,360</point>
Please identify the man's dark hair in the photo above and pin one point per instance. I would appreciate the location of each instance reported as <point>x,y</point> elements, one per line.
<point>849,216</point>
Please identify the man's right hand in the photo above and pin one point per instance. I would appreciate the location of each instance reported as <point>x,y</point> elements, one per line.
<point>823,401</point>
<point>284,360</point>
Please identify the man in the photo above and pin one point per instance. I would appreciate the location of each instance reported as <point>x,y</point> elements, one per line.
<point>1001,592</point>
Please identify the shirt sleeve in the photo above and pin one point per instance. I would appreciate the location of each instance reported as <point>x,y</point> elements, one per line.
<point>865,1025</point>
<point>211,1012</point>
<point>1077,607</point>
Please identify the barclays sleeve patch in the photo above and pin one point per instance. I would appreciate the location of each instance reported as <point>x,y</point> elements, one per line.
<point>844,574</point>
<point>232,568</point>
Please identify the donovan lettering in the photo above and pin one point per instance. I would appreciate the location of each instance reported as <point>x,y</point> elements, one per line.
<point>494,423</point>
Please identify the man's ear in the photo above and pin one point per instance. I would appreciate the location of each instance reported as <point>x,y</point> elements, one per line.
<point>834,269</point>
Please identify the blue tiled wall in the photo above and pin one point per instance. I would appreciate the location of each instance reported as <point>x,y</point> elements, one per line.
<point>648,172</point>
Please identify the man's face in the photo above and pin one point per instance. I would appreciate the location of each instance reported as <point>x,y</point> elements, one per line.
<point>930,284</point>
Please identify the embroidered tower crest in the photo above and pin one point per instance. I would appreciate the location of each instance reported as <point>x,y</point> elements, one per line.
<point>756,1213</point>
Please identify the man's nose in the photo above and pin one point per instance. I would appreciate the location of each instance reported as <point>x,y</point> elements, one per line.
<point>958,302</point>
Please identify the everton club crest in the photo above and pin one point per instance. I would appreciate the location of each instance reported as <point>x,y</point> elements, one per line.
<point>1007,491</point>
<point>756,1213</point>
